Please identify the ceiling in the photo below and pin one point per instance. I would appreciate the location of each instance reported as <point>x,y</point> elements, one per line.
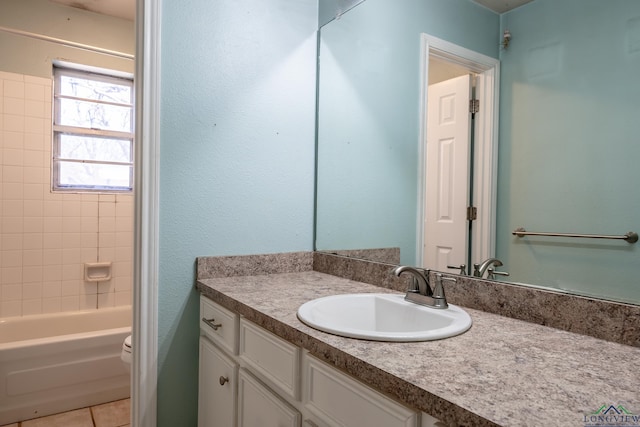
<point>501,6</point>
<point>125,9</point>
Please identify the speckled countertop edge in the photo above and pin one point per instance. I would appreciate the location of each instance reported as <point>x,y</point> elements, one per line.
<point>501,372</point>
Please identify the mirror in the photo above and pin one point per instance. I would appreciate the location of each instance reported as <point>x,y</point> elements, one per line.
<point>567,155</point>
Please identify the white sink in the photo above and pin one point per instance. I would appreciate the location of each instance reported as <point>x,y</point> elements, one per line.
<point>382,317</point>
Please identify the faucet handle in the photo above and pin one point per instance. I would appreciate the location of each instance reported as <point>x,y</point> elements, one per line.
<point>492,272</point>
<point>461,267</point>
<point>438,291</point>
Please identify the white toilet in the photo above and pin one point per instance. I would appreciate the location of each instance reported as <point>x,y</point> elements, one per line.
<point>125,355</point>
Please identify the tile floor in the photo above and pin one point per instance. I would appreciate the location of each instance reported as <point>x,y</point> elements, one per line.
<point>112,414</point>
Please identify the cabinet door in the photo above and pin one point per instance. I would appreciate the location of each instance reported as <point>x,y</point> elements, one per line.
<point>260,407</point>
<point>338,400</point>
<point>217,387</point>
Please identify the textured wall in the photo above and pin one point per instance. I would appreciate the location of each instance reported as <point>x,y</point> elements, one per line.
<point>237,157</point>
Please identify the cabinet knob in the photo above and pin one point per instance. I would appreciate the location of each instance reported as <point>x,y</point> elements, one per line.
<point>209,322</point>
<point>223,380</point>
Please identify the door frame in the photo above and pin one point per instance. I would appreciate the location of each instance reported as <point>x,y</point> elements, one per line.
<point>144,367</point>
<point>485,162</point>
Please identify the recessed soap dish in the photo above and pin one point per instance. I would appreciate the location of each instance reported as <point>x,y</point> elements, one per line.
<point>97,271</point>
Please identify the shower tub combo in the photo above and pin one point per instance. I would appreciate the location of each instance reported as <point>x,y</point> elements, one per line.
<point>63,361</point>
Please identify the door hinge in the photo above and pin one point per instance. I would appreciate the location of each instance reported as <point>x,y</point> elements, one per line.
<point>472,213</point>
<point>474,106</point>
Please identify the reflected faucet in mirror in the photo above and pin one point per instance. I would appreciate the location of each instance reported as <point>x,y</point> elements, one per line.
<point>486,267</point>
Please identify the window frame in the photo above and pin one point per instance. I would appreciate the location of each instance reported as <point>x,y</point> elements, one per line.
<point>59,130</point>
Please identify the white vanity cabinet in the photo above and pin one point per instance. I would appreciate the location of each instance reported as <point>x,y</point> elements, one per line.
<point>250,377</point>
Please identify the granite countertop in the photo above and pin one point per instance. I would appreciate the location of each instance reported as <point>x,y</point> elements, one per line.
<point>500,372</point>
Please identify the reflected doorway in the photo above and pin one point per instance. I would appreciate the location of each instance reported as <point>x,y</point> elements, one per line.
<point>470,167</point>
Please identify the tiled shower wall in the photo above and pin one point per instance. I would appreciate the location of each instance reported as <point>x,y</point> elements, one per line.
<point>46,237</point>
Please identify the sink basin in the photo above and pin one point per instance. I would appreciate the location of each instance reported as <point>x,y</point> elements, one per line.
<point>382,317</point>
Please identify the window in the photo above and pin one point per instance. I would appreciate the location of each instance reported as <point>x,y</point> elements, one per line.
<point>92,131</point>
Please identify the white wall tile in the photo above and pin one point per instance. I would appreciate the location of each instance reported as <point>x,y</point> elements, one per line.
<point>33,225</point>
<point>71,240</point>
<point>34,141</point>
<point>33,241</point>
<point>11,259</point>
<point>12,122</point>
<point>52,274</point>
<point>33,191</point>
<point>69,288</point>
<point>32,274</point>
<point>33,208</point>
<point>72,272</point>
<point>32,290</point>
<point>89,224</point>
<point>89,254</point>
<point>11,242</point>
<point>52,256</point>
<point>123,299</point>
<point>51,289</point>
<point>52,224</point>
<point>51,305</point>
<point>45,236</point>
<point>31,306</point>
<point>12,292</point>
<point>11,275</point>
<point>89,288</point>
<point>71,224</point>
<point>12,224</point>
<point>32,257</point>
<point>12,156</point>
<point>70,303</point>
<point>12,139</point>
<point>10,308</point>
<point>123,284</point>
<point>13,106</point>
<point>14,88</point>
<point>12,208</point>
<point>12,191</point>
<point>88,302</point>
<point>105,287</point>
<point>106,300</point>
<point>12,173</point>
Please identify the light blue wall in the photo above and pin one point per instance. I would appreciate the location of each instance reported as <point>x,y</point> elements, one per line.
<point>569,149</point>
<point>237,157</point>
<point>369,99</point>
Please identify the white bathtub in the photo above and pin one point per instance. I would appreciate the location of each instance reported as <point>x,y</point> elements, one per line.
<point>59,362</point>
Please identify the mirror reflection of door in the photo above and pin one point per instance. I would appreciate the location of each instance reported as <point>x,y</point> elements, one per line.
<point>464,160</point>
<point>448,173</point>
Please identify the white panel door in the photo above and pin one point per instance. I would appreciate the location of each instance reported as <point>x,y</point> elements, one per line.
<point>447,174</point>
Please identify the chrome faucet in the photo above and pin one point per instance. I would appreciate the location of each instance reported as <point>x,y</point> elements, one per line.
<point>480,269</point>
<point>420,282</point>
<point>420,292</point>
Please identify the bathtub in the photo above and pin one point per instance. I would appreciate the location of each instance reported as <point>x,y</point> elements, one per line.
<point>59,362</point>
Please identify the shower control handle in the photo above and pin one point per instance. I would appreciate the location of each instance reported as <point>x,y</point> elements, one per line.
<point>209,322</point>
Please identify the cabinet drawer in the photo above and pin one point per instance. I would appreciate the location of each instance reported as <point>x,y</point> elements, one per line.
<point>219,324</point>
<point>341,401</point>
<point>258,406</point>
<point>271,357</point>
